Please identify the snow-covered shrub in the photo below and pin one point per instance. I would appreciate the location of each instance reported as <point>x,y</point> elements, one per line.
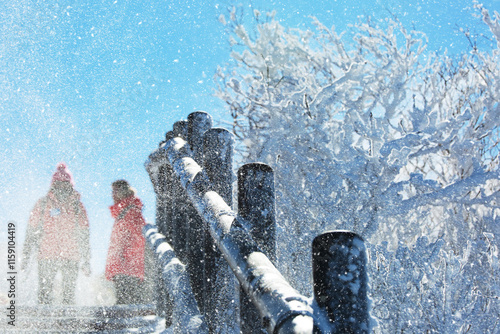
<point>424,289</point>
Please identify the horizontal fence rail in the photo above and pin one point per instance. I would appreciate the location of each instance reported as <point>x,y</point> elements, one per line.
<point>191,173</point>
<point>186,315</point>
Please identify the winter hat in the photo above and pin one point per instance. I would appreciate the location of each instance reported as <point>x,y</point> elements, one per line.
<point>121,185</point>
<point>62,174</point>
<point>122,188</point>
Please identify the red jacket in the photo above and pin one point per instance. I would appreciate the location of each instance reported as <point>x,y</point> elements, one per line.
<point>60,228</point>
<point>126,248</point>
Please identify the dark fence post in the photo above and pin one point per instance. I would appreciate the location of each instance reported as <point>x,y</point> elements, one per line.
<point>341,282</point>
<point>221,288</point>
<point>180,205</point>
<point>180,129</point>
<point>164,197</point>
<point>256,207</point>
<point>161,174</point>
<point>198,123</point>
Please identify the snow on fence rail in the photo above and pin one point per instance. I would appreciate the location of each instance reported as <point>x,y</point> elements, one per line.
<point>185,313</point>
<point>192,176</point>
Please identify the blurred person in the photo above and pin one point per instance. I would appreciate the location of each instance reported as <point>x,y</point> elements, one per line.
<point>125,261</point>
<point>58,229</point>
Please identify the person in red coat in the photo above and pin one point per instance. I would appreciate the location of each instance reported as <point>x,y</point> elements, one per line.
<point>58,228</point>
<point>125,261</point>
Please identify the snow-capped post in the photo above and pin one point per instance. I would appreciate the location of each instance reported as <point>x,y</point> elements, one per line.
<point>198,123</point>
<point>221,308</point>
<point>186,317</point>
<point>340,283</point>
<point>256,205</point>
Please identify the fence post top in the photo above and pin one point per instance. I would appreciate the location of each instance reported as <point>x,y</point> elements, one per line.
<point>180,129</point>
<point>217,135</point>
<point>181,122</point>
<point>256,166</point>
<point>199,113</point>
<point>219,130</point>
<point>169,135</point>
<point>338,234</point>
<point>339,238</point>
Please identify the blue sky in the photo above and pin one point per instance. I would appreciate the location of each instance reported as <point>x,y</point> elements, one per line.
<point>97,84</point>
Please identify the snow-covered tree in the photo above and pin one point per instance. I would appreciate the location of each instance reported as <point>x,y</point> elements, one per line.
<point>373,134</point>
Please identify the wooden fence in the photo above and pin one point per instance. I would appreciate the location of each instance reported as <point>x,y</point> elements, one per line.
<point>226,257</point>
